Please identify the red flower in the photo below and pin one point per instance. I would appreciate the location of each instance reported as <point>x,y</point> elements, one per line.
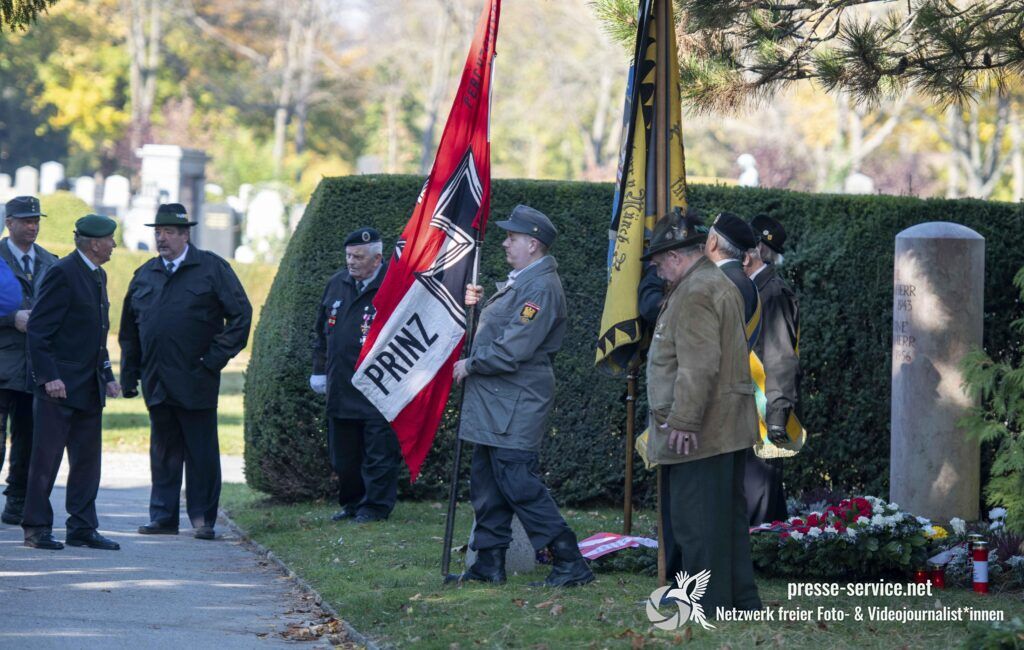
<point>783,535</point>
<point>796,521</point>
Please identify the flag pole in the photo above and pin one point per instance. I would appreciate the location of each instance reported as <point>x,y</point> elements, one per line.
<point>627,506</point>
<point>453,489</point>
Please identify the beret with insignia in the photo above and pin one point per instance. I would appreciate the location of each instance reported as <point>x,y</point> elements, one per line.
<point>734,230</point>
<point>769,231</point>
<point>362,236</point>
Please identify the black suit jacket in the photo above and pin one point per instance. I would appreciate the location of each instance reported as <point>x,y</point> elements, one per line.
<point>777,347</point>
<point>343,314</point>
<point>751,300</point>
<point>179,330</point>
<point>67,334</point>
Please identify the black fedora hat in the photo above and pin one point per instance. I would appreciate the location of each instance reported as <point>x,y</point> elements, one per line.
<point>676,230</point>
<point>172,214</point>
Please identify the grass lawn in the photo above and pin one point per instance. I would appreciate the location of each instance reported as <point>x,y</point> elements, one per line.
<point>384,579</point>
<point>126,421</point>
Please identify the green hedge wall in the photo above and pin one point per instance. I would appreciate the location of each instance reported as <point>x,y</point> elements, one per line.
<point>839,259</point>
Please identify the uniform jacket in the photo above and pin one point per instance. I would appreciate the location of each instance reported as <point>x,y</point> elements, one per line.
<point>698,372</point>
<point>511,384</point>
<point>342,322</point>
<point>777,347</point>
<point>14,369</point>
<point>67,334</point>
<point>752,307</point>
<point>179,330</point>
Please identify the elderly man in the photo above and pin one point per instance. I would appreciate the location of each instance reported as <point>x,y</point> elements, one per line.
<point>510,388</point>
<point>702,414</point>
<point>728,242</point>
<point>185,316</point>
<point>362,445</point>
<point>67,345</point>
<point>777,350</point>
<point>30,263</point>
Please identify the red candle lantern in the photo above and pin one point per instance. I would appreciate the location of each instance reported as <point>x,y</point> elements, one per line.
<point>938,575</point>
<point>979,553</point>
<point>922,576</point>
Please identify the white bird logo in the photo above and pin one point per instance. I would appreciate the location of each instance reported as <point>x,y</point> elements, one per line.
<point>689,592</point>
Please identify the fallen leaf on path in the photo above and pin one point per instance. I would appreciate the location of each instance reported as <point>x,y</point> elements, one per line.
<point>556,610</point>
<point>546,603</point>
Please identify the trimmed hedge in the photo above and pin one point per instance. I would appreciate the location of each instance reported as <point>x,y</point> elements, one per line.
<point>840,262</point>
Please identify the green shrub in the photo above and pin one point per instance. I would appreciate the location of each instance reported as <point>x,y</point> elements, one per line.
<point>840,256</point>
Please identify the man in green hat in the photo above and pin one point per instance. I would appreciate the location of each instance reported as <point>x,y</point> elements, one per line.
<point>67,344</point>
<point>29,262</point>
<point>185,316</point>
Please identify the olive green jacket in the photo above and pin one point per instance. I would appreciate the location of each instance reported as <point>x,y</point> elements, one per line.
<point>698,371</point>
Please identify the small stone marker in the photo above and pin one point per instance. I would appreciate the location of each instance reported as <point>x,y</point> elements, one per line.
<point>938,299</point>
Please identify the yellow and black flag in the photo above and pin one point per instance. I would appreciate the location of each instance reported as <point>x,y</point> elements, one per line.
<point>651,183</point>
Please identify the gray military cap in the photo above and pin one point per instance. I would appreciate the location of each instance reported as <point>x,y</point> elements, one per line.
<point>528,221</point>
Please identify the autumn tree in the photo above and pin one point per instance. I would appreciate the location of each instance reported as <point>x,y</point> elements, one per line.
<point>19,14</point>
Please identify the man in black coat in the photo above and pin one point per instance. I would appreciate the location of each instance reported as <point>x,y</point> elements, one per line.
<point>729,241</point>
<point>185,316</point>
<point>362,445</point>
<point>67,345</point>
<point>777,349</point>
<point>29,262</point>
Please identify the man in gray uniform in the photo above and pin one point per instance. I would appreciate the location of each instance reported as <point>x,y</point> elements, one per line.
<point>510,387</point>
<point>30,262</point>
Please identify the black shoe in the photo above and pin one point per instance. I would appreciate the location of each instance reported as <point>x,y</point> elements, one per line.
<point>92,539</point>
<point>369,519</point>
<point>44,540</point>
<point>344,513</point>
<point>156,528</point>
<point>489,567</point>
<point>12,511</point>
<point>205,532</point>
<point>569,568</point>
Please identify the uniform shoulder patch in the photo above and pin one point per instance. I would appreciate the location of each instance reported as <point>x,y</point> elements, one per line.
<point>528,312</point>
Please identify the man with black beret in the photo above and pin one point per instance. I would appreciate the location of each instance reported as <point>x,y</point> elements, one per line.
<point>777,350</point>
<point>728,242</point>
<point>702,417</point>
<point>363,447</point>
<point>67,345</point>
<point>185,316</point>
<point>29,262</point>
<point>510,389</point>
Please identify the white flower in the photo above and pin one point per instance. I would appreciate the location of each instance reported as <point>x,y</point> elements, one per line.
<point>1015,560</point>
<point>851,533</point>
<point>924,521</point>
<point>863,521</point>
<point>878,520</point>
<point>894,506</point>
<point>765,525</point>
<point>995,525</point>
<point>928,530</point>
<point>878,510</point>
<point>830,529</point>
<point>958,525</point>
<point>797,535</point>
<point>997,513</point>
<point>814,531</point>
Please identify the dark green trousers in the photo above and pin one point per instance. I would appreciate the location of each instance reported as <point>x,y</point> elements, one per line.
<point>707,513</point>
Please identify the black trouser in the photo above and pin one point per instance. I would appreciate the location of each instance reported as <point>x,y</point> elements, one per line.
<point>186,437</point>
<point>708,515</point>
<point>57,427</point>
<point>503,482</point>
<point>366,456</point>
<point>18,407</point>
<point>762,484</point>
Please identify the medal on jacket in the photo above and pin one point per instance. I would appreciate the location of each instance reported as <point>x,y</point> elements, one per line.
<point>333,317</point>
<point>367,321</point>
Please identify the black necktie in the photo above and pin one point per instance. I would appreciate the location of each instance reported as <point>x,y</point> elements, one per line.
<point>26,261</point>
<point>170,267</point>
<point>360,285</point>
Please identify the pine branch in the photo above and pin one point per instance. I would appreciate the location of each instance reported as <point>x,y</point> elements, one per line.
<point>19,14</point>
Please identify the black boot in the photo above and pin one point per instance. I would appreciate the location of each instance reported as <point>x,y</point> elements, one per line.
<point>12,510</point>
<point>489,567</point>
<point>570,569</point>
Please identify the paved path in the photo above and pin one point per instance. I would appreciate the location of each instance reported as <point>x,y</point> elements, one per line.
<point>156,592</point>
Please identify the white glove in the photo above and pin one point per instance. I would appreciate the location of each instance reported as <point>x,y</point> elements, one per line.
<point>318,383</point>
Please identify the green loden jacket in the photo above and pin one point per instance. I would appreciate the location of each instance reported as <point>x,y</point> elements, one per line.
<point>698,370</point>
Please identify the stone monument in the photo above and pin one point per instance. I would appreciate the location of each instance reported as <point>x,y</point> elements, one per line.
<point>51,173</point>
<point>938,298</point>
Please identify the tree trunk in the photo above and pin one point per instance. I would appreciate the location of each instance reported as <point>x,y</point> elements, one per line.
<point>306,76</point>
<point>1017,154</point>
<point>144,63</point>
<point>285,92</point>
<point>439,81</point>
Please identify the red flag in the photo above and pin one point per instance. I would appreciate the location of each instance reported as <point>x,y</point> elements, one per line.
<point>405,367</point>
